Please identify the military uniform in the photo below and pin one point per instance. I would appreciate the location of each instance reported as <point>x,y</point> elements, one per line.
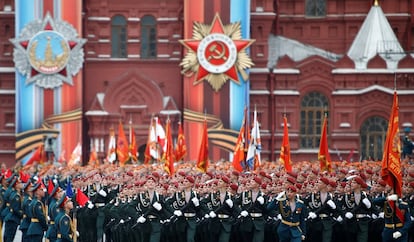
<point>357,216</point>
<point>38,224</point>
<point>396,218</point>
<point>53,210</point>
<point>15,214</point>
<point>24,225</point>
<point>220,215</point>
<point>292,226</point>
<point>64,229</point>
<point>152,212</point>
<point>185,214</point>
<point>321,223</point>
<point>253,214</point>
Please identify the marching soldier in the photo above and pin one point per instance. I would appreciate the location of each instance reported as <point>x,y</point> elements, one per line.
<point>221,212</point>
<point>38,224</point>
<point>396,217</point>
<point>293,213</point>
<point>322,209</point>
<point>185,205</point>
<point>358,211</point>
<point>253,209</point>
<point>154,211</point>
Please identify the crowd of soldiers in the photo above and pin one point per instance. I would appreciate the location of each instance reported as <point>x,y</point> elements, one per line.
<point>144,203</point>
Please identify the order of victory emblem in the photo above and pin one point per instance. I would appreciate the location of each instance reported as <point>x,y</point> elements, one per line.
<point>216,53</point>
<point>48,52</point>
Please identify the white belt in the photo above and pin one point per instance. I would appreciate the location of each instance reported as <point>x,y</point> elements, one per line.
<point>223,216</point>
<point>256,215</point>
<point>322,215</point>
<point>98,205</point>
<point>152,216</point>
<point>361,215</point>
<point>189,215</point>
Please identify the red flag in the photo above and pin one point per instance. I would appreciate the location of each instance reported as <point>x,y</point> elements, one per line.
<point>285,148</point>
<point>323,154</point>
<point>122,145</point>
<point>239,156</point>
<point>24,177</point>
<point>202,162</point>
<point>181,147</point>
<point>81,198</point>
<point>93,157</point>
<point>50,187</point>
<point>391,161</point>
<point>133,150</point>
<point>169,152</point>
<point>38,156</point>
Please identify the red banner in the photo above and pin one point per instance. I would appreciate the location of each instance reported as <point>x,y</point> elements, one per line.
<point>391,162</point>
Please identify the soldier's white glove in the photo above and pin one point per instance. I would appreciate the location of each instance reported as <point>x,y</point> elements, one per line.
<point>303,237</point>
<point>366,202</point>
<point>141,220</point>
<point>349,215</point>
<point>244,213</point>
<point>374,216</point>
<point>122,221</point>
<point>279,217</point>
<point>195,201</point>
<point>381,215</point>
<point>206,216</point>
<point>281,196</point>
<point>396,234</point>
<point>90,205</point>
<point>312,215</point>
<point>77,233</point>
<point>157,206</point>
<point>178,213</point>
<point>102,193</point>
<point>412,218</point>
<point>339,218</point>
<point>260,200</point>
<point>48,218</point>
<point>331,204</point>
<point>229,202</point>
<point>392,197</point>
<point>212,214</point>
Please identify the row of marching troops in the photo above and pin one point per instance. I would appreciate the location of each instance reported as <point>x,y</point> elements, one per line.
<point>136,204</point>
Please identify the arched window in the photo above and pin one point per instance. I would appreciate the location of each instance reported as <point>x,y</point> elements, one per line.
<point>119,37</point>
<point>373,134</point>
<point>315,8</point>
<point>313,107</point>
<point>148,37</point>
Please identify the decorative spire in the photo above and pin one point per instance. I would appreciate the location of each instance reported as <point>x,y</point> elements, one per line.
<point>376,3</point>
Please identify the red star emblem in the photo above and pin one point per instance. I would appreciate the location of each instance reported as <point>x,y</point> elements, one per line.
<point>25,45</point>
<point>217,53</point>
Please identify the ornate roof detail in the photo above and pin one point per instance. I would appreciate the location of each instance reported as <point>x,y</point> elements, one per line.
<point>376,37</point>
<point>280,46</point>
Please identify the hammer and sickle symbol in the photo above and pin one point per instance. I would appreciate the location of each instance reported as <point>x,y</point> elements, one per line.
<point>215,53</point>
